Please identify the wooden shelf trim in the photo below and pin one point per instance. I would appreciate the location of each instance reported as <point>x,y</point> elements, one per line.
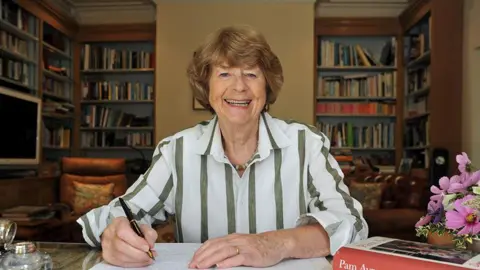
<point>356,26</point>
<point>47,12</point>
<point>117,33</point>
<point>413,13</point>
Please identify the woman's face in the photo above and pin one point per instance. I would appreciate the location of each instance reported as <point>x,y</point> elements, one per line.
<point>237,94</point>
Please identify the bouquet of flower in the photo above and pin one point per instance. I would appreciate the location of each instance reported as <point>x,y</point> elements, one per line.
<point>454,207</point>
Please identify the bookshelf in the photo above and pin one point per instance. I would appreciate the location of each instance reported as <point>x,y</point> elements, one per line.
<point>19,48</point>
<point>57,93</point>
<point>432,56</point>
<point>35,56</point>
<point>356,88</point>
<point>117,100</point>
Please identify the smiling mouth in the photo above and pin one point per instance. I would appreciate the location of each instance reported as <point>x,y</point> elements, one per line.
<point>239,103</point>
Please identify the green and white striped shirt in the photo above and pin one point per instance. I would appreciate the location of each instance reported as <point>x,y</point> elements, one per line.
<point>290,181</point>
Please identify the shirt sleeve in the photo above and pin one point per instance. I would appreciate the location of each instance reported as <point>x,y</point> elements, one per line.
<point>148,198</point>
<point>329,200</point>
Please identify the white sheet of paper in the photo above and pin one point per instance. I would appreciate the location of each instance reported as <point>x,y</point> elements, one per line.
<point>174,256</point>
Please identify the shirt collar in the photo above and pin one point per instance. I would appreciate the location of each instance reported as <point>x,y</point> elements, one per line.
<point>270,137</point>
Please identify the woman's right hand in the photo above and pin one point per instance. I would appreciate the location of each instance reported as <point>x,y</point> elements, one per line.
<point>123,247</point>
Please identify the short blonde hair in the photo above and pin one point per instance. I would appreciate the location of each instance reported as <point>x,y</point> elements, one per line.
<point>236,46</point>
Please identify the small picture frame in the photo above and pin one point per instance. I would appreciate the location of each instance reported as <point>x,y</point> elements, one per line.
<point>197,106</point>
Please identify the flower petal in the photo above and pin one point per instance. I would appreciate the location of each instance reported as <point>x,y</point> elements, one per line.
<point>476,228</point>
<point>444,183</point>
<point>423,221</point>
<point>435,190</point>
<point>466,230</point>
<point>454,220</point>
<point>460,158</point>
<point>456,187</point>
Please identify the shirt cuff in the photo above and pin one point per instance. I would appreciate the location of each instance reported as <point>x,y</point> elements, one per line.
<point>338,230</point>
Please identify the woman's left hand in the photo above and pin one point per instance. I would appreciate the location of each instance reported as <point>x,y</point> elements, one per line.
<point>256,250</point>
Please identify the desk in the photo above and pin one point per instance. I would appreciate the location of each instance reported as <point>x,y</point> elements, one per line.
<point>66,256</point>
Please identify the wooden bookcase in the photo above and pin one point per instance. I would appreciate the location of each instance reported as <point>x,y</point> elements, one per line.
<point>116,90</point>
<point>36,55</point>
<point>357,90</point>
<point>432,32</point>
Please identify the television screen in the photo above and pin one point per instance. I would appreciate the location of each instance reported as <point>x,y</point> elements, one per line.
<point>19,128</point>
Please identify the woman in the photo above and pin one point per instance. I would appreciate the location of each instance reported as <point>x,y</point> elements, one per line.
<point>254,189</point>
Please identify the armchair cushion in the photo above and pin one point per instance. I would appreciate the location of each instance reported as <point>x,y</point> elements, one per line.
<point>368,194</point>
<point>89,196</point>
<point>67,193</point>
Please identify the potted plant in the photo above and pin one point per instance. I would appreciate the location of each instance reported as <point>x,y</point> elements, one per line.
<point>454,207</point>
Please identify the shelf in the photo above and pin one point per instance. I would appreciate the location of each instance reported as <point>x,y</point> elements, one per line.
<point>355,69</point>
<point>17,83</point>
<point>360,99</point>
<point>419,93</point>
<point>16,31</point>
<point>56,51</point>
<point>361,149</point>
<point>56,97</point>
<point>422,60</point>
<point>57,115</point>
<point>100,71</point>
<point>117,128</point>
<point>117,102</point>
<point>417,116</point>
<point>56,76</point>
<point>17,56</point>
<point>118,148</point>
<point>355,115</point>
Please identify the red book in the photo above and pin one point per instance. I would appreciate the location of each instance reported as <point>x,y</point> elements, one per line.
<point>382,253</point>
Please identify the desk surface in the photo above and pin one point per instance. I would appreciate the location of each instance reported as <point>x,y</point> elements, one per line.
<point>76,256</point>
<point>71,255</point>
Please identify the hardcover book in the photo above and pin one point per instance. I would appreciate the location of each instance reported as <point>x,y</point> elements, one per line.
<point>382,253</point>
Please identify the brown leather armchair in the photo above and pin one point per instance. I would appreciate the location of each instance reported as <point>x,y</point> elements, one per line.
<point>400,202</point>
<point>94,177</point>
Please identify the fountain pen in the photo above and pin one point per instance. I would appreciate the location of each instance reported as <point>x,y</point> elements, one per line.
<point>134,224</point>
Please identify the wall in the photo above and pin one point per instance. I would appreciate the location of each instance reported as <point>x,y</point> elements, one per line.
<point>471,96</point>
<point>181,27</point>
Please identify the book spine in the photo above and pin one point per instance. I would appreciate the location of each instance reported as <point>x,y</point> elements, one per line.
<point>351,258</point>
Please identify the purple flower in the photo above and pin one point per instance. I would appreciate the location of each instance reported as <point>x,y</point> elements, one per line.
<point>463,163</point>
<point>464,218</point>
<point>434,211</point>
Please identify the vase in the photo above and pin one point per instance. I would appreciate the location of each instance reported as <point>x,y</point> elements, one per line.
<point>474,246</point>
<point>444,240</point>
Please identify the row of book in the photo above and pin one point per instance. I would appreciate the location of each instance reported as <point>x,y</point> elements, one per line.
<point>59,136</point>
<point>114,139</point>
<point>352,108</point>
<point>359,85</point>
<point>116,90</point>
<point>100,116</point>
<point>337,54</point>
<point>13,44</point>
<point>99,57</point>
<point>348,134</point>
<point>15,70</point>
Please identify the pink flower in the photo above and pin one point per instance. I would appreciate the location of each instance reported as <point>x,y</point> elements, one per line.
<point>457,184</point>
<point>464,218</point>
<point>446,186</point>
<point>463,163</point>
<point>470,179</point>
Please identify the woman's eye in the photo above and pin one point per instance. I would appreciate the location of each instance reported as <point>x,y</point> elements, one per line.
<point>251,75</point>
<point>223,74</point>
